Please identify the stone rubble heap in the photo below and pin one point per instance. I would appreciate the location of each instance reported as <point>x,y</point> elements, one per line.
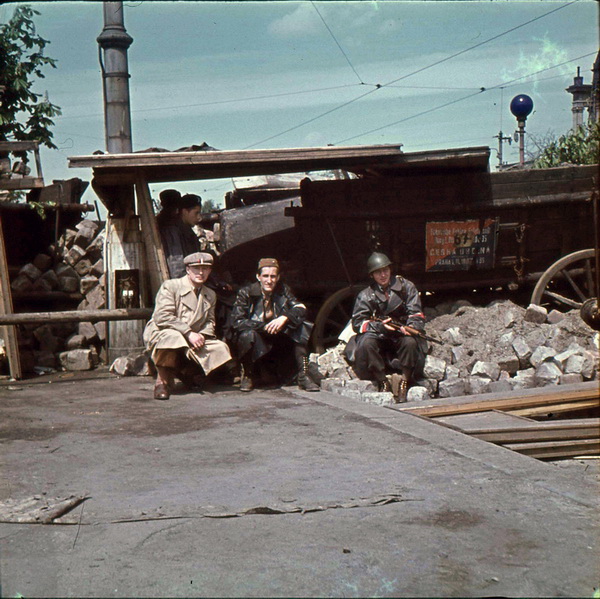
<point>501,347</point>
<point>75,265</point>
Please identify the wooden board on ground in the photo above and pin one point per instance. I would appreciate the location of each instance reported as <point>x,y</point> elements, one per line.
<point>494,419</point>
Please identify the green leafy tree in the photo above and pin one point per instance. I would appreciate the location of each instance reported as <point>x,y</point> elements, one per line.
<point>24,114</point>
<point>580,146</point>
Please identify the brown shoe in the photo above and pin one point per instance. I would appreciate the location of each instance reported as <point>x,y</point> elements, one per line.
<point>161,391</point>
<point>399,386</point>
<point>246,384</point>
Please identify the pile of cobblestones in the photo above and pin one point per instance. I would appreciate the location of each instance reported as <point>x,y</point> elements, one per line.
<point>501,347</point>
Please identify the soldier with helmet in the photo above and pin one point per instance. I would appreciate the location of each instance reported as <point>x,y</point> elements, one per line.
<point>381,343</point>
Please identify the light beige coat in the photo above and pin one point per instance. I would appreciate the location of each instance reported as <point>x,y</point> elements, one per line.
<point>177,311</point>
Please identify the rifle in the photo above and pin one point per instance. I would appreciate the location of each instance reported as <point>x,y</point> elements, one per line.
<point>398,326</point>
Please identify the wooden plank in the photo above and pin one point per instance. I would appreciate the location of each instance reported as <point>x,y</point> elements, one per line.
<point>512,404</point>
<point>77,316</point>
<point>558,408</point>
<point>523,424</point>
<point>557,449</point>
<point>484,421</point>
<point>156,263</point>
<point>18,146</point>
<point>160,159</point>
<point>535,435</point>
<point>21,183</point>
<point>9,333</point>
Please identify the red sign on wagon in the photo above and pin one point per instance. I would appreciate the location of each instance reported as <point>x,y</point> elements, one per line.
<point>460,245</point>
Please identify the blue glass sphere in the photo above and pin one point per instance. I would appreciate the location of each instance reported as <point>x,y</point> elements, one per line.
<point>521,106</point>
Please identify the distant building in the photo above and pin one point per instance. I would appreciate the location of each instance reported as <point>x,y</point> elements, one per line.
<point>586,95</point>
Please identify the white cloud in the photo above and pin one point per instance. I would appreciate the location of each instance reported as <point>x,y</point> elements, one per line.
<point>303,20</point>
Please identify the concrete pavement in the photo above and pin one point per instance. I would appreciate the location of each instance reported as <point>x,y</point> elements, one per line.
<point>473,519</point>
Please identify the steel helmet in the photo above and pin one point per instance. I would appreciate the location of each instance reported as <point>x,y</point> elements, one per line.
<point>376,261</point>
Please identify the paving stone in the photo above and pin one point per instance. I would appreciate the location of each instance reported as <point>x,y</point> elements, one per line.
<point>453,336</point>
<point>555,316</point>
<point>570,379</point>
<point>418,393</point>
<point>87,284</point>
<point>434,368</point>
<point>83,267</point>
<point>51,278</point>
<point>360,385</point>
<point>524,379</point>
<point>499,386</point>
<point>478,384</point>
<point>21,284</point>
<point>541,354</point>
<point>330,384</point>
<point>508,363</point>
<point>522,350</point>
<point>88,331</point>
<point>75,342</point>
<point>547,373</point>
<point>381,399</point>
<point>535,313</point>
<point>31,272</point>
<point>77,359</point>
<point>452,388</point>
<point>486,369</point>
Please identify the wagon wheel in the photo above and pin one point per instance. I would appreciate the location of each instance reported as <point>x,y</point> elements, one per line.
<point>568,282</point>
<point>333,316</point>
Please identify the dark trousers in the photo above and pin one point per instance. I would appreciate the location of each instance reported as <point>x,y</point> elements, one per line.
<point>375,353</point>
<point>278,352</point>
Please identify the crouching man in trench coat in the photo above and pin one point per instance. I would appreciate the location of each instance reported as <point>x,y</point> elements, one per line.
<point>268,322</point>
<point>181,333</point>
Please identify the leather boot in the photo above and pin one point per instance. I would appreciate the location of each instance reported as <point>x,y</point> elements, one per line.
<point>246,383</point>
<point>304,381</point>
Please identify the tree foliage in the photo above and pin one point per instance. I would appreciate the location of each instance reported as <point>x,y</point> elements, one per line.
<point>24,114</point>
<point>580,146</point>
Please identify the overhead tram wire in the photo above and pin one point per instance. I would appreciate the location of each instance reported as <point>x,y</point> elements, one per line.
<point>481,90</point>
<point>216,102</point>
<point>338,44</point>
<point>389,83</point>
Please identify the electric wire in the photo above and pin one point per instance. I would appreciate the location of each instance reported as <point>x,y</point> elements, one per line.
<point>335,40</point>
<point>230,101</point>
<point>438,62</point>
<point>450,103</point>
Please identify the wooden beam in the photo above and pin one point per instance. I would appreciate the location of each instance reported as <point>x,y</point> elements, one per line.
<point>534,435</point>
<point>513,405</point>
<point>77,316</point>
<point>21,183</point>
<point>162,159</point>
<point>8,332</point>
<point>156,261</point>
<point>558,408</point>
<point>557,449</point>
<point>18,146</point>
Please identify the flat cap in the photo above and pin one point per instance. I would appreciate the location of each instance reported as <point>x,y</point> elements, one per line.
<point>268,263</point>
<point>198,259</point>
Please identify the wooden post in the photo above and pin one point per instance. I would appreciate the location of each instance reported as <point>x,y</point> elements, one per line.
<point>8,332</point>
<point>124,259</point>
<point>156,262</point>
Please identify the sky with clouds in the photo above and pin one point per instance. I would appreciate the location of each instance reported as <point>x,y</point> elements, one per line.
<point>428,75</point>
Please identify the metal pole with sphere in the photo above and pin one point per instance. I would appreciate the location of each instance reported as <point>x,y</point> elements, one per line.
<point>521,106</point>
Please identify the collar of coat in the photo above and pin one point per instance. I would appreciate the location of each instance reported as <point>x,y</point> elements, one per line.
<point>396,286</point>
<point>255,289</point>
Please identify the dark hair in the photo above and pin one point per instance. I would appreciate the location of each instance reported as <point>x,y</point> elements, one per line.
<point>169,198</point>
<point>189,201</point>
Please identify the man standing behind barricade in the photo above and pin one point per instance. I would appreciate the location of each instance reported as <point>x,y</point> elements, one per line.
<point>181,333</point>
<point>380,314</point>
<point>268,325</point>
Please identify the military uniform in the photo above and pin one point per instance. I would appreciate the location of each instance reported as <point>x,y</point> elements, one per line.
<point>375,348</point>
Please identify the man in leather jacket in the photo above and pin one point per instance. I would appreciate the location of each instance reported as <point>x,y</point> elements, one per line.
<point>267,321</point>
<point>381,342</point>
